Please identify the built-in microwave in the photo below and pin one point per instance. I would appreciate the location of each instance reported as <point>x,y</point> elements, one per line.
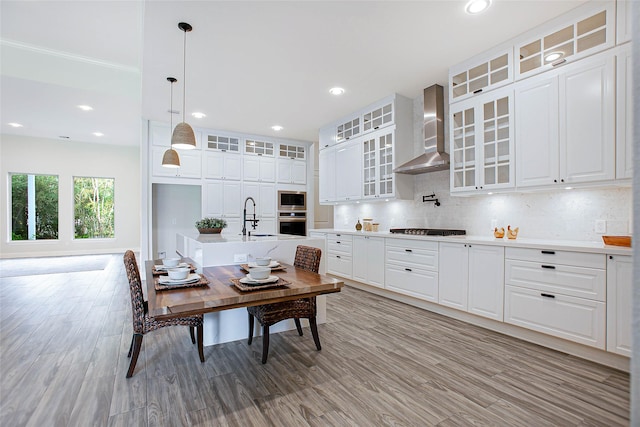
<point>292,200</point>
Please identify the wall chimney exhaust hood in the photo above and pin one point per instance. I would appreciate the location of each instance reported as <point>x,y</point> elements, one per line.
<point>434,157</point>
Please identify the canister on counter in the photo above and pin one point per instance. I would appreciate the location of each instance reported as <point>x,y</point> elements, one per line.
<point>366,224</point>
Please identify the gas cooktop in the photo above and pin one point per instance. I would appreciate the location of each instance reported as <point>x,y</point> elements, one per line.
<point>428,231</point>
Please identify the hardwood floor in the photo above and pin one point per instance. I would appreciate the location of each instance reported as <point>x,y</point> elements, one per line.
<point>65,336</point>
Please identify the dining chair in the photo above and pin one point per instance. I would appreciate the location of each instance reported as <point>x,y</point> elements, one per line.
<point>307,258</point>
<point>143,323</point>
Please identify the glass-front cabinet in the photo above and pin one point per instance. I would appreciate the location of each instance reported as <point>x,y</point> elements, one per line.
<point>377,152</point>
<point>584,34</point>
<point>482,143</point>
<point>377,117</point>
<point>477,75</point>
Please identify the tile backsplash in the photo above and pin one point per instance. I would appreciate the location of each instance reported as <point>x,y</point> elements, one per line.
<point>562,214</point>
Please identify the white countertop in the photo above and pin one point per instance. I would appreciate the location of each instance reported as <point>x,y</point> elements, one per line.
<point>567,245</point>
<point>237,238</point>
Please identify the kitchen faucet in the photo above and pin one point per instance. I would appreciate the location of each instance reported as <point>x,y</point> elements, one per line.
<point>254,221</point>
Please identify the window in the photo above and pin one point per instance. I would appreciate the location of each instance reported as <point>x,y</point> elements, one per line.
<point>93,207</point>
<point>34,207</point>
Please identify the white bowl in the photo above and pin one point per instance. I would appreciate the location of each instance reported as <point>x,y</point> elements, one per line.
<point>170,262</point>
<point>263,261</point>
<point>179,273</point>
<point>259,273</point>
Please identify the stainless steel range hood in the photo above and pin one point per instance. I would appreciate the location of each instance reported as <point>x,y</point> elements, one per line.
<point>434,157</point>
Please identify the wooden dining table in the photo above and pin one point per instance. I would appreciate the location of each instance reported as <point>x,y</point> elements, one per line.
<point>221,294</point>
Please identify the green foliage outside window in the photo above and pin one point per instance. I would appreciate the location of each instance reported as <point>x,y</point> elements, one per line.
<point>45,209</point>
<point>94,209</point>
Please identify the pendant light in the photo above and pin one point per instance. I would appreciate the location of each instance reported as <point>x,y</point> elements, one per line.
<point>170,159</point>
<point>183,136</point>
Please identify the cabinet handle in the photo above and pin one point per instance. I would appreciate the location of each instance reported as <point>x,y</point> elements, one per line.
<point>551,267</point>
<point>338,242</point>
<point>408,250</point>
<point>558,62</point>
<point>547,295</point>
<point>548,252</point>
<point>555,180</point>
<point>477,91</point>
<point>610,256</point>
<point>337,256</point>
<point>408,269</point>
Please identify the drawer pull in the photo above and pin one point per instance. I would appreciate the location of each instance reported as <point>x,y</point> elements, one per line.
<point>408,269</point>
<point>550,267</point>
<point>337,256</point>
<point>408,250</point>
<point>549,252</point>
<point>338,242</point>
<point>547,295</point>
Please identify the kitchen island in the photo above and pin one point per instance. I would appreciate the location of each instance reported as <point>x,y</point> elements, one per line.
<point>208,250</point>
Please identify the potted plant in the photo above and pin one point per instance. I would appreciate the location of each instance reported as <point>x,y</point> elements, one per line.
<point>210,225</point>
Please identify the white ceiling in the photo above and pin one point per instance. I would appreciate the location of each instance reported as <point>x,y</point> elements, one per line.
<point>250,65</point>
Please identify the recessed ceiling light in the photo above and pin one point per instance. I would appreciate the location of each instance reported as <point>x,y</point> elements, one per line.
<point>277,128</point>
<point>85,107</point>
<point>553,56</point>
<point>98,134</point>
<point>199,115</point>
<point>15,125</point>
<point>477,6</point>
<point>336,91</point>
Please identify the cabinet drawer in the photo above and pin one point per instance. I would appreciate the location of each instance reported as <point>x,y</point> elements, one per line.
<point>422,255</point>
<point>412,281</point>
<point>574,319</point>
<point>557,278</point>
<point>578,259</point>
<point>339,246</point>
<point>340,265</point>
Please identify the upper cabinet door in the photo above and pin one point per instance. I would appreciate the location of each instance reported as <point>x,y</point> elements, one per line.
<point>536,128</point>
<point>624,114</point>
<point>587,120</point>
<point>480,74</point>
<point>583,32</point>
<point>623,21</point>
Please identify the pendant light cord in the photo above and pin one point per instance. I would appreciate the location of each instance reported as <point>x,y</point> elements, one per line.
<point>184,75</point>
<point>171,108</point>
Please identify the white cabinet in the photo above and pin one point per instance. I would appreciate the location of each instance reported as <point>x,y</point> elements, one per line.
<point>559,293</point>
<point>348,128</point>
<point>265,197</point>
<point>190,164</point>
<point>327,136</point>
<point>348,171</point>
<point>624,113</point>
<point>259,168</point>
<point>565,125</point>
<point>412,268</point>
<point>292,164</point>
<point>471,278</point>
<point>327,176</point>
<point>340,253</point>
<point>490,71</point>
<point>619,304</point>
<point>222,199</point>
<point>378,179</point>
<point>623,21</point>
<point>482,143</point>
<point>368,260</point>
<point>160,134</point>
<point>222,165</point>
<point>579,33</point>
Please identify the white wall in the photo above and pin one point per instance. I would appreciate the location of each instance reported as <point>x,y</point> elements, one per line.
<point>176,208</point>
<point>68,159</point>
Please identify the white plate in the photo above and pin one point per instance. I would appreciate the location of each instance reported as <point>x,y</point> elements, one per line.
<point>191,278</point>
<point>272,264</point>
<point>160,267</point>
<point>251,281</point>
